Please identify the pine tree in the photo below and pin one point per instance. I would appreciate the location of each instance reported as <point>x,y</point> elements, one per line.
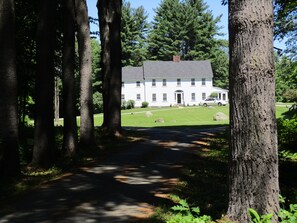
<point>133,32</point>
<point>184,28</point>
<point>165,38</point>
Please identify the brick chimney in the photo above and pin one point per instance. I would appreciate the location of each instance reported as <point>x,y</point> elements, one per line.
<point>176,58</point>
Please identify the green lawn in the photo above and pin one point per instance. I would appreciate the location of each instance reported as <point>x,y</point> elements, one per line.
<point>173,116</point>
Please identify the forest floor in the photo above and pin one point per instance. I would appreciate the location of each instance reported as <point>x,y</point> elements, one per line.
<point>124,186</point>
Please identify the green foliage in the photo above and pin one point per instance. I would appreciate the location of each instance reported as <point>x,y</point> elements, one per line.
<point>165,37</point>
<point>287,132</point>
<point>290,95</point>
<point>98,102</point>
<point>123,104</point>
<point>256,218</point>
<point>220,65</point>
<point>96,69</point>
<point>286,216</point>
<point>144,104</point>
<point>187,214</point>
<point>130,104</point>
<point>286,154</point>
<point>133,33</point>
<point>213,95</point>
<point>289,216</point>
<point>286,77</point>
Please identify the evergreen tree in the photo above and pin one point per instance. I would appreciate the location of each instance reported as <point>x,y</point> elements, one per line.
<point>133,32</point>
<point>220,64</point>
<point>184,28</point>
<point>165,37</point>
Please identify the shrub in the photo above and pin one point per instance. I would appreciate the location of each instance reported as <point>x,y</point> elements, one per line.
<point>124,105</point>
<point>144,104</point>
<point>130,104</point>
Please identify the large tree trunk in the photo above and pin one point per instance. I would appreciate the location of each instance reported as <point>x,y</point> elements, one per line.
<point>254,156</point>
<point>85,62</point>
<point>9,158</point>
<point>110,27</point>
<point>44,116</point>
<point>70,125</point>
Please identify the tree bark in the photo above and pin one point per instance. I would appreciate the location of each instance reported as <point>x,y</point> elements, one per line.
<point>57,100</point>
<point>110,27</point>
<point>9,156</point>
<point>85,62</point>
<point>44,141</point>
<point>253,180</point>
<point>70,139</point>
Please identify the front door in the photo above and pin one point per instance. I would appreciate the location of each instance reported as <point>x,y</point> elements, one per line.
<point>179,98</point>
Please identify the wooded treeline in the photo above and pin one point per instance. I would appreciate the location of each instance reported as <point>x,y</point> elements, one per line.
<point>58,65</point>
<point>44,41</point>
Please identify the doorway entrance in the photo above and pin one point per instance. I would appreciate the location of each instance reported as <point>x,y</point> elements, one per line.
<point>179,97</point>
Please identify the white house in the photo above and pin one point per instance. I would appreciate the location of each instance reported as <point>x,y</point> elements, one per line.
<point>165,83</point>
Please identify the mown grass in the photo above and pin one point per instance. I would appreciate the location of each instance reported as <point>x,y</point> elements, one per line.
<point>173,116</point>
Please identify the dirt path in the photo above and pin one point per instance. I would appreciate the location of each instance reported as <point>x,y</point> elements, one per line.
<point>122,188</point>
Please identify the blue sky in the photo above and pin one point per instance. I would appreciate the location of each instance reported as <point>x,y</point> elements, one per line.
<point>149,5</point>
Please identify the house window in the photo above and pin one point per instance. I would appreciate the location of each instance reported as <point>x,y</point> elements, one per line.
<point>193,82</point>
<point>138,97</point>
<point>123,84</point>
<point>193,96</point>
<point>137,83</point>
<point>154,82</point>
<point>203,96</point>
<point>154,97</point>
<point>123,97</point>
<point>164,83</point>
<point>164,97</point>
<point>178,82</point>
<point>203,82</point>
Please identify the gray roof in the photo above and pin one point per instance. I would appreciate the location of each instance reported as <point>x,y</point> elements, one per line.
<point>182,69</point>
<point>168,69</point>
<point>132,73</point>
